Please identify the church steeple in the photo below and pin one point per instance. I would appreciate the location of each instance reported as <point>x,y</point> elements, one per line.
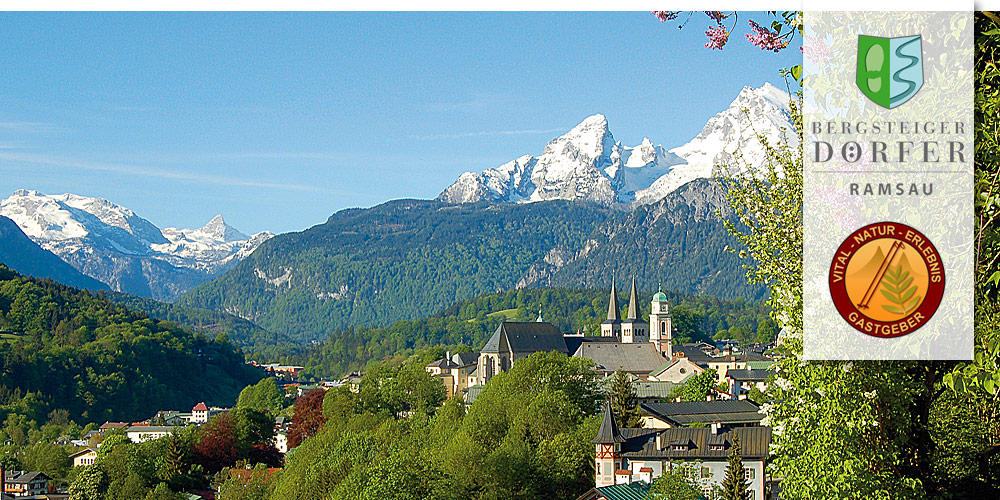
<point>613,314</point>
<point>612,327</point>
<point>633,303</point>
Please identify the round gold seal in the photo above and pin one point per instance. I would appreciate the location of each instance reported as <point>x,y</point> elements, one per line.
<point>887,279</point>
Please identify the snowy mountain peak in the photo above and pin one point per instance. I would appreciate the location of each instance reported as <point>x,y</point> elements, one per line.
<point>587,163</point>
<point>218,230</point>
<point>102,239</point>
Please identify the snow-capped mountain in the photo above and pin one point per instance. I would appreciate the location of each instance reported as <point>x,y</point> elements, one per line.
<point>587,163</point>
<point>114,245</point>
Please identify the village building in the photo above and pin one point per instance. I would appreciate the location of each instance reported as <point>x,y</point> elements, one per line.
<point>627,455</point>
<point>84,457</point>
<point>676,370</point>
<point>722,364</point>
<point>143,433</point>
<point>281,442</point>
<point>202,412</point>
<point>19,483</point>
<point>741,382</point>
<point>457,372</point>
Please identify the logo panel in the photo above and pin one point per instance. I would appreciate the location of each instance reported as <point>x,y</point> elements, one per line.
<point>890,70</point>
<point>887,279</point>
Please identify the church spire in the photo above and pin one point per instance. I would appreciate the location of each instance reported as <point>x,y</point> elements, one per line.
<point>613,303</point>
<point>633,303</point>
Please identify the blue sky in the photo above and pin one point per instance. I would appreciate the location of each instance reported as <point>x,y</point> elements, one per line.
<point>278,120</point>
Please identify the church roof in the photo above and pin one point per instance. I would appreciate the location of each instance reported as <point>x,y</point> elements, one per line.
<point>526,337</point>
<point>639,357</point>
<point>613,308</point>
<point>573,342</point>
<point>633,304</point>
<point>608,433</point>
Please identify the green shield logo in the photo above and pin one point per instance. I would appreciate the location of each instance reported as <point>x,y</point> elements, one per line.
<point>890,70</point>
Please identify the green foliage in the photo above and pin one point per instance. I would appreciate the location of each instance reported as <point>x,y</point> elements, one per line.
<point>981,377</point>
<point>624,403</point>
<point>400,390</point>
<point>256,341</point>
<point>265,395</point>
<point>259,486</point>
<point>678,482</point>
<point>48,458</point>
<point>734,487</point>
<point>697,387</point>
<point>527,436</point>
<point>100,361</point>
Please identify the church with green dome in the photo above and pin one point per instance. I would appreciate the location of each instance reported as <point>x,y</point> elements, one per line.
<point>633,329</point>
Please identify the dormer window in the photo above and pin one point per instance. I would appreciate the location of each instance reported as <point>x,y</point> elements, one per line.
<point>680,447</point>
<point>717,447</point>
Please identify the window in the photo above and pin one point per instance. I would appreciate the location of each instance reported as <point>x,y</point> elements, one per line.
<point>706,472</point>
<point>706,491</point>
<point>663,327</point>
<point>717,447</point>
<point>684,370</point>
<point>748,473</point>
<point>680,447</point>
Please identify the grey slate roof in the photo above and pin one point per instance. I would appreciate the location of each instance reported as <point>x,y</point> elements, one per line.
<point>692,352</point>
<point>749,375</point>
<point>465,358</point>
<point>727,411</point>
<point>24,477</point>
<point>526,337</point>
<point>441,363</point>
<point>472,393</point>
<point>573,342</point>
<point>641,443</point>
<point>608,433</point>
<point>640,357</point>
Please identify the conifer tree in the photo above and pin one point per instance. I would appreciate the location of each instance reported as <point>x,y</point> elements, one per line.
<point>173,462</point>
<point>624,403</point>
<point>734,487</point>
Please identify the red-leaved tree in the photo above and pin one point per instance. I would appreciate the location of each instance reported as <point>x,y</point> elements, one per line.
<point>308,418</point>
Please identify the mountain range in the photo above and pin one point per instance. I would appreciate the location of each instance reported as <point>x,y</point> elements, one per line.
<point>585,210</point>
<point>117,247</point>
<point>587,163</point>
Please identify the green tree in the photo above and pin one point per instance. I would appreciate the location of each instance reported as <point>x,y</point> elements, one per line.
<point>49,459</point>
<point>263,395</point>
<point>697,387</point>
<point>624,404</point>
<point>162,492</point>
<point>734,486</point>
<point>678,482</point>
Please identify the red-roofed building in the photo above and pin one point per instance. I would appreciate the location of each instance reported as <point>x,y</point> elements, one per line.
<point>202,412</point>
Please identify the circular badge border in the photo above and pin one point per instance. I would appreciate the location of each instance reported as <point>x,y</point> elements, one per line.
<point>930,304</point>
